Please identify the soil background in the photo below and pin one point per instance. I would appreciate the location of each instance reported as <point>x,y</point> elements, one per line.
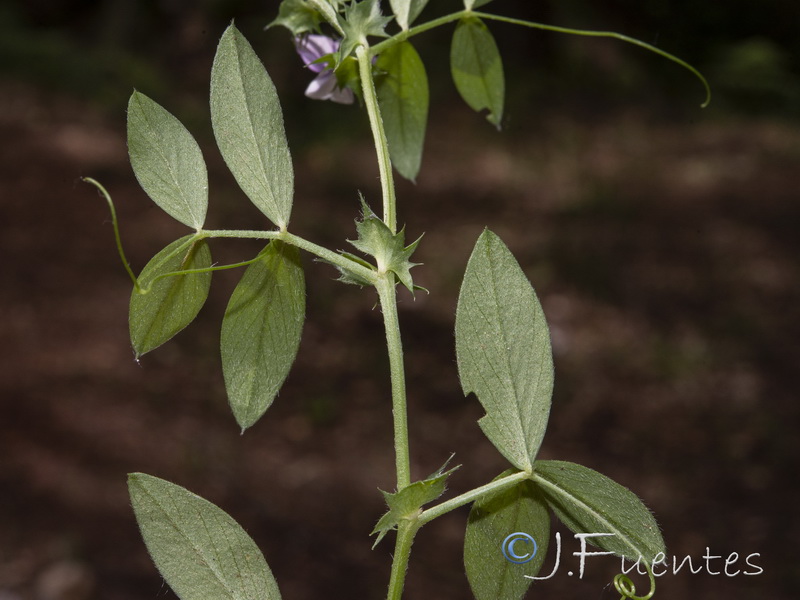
<point>662,240</point>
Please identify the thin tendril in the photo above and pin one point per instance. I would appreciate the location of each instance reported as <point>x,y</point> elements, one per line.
<point>115,224</point>
<point>625,586</point>
<point>146,290</point>
<point>608,34</point>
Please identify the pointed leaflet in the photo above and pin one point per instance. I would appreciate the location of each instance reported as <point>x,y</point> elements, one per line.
<point>588,502</point>
<point>248,127</point>
<point>405,11</point>
<point>171,302</point>
<point>477,68</point>
<point>403,97</point>
<point>491,520</point>
<point>298,16</point>
<point>328,12</point>
<point>407,502</point>
<point>167,161</point>
<point>201,552</point>
<point>261,331</point>
<point>470,4</point>
<point>503,351</point>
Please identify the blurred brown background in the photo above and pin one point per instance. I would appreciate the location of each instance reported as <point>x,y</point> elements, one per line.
<point>661,238</point>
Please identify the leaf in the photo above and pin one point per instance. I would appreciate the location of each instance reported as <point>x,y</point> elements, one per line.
<point>503,351</point>
<point>328,12</point>
<point>167,161</point>
<point>298,16</point>
<point>388,249</point>
<point>403,97</point>
<point>171,302</point>
<point>492,520</point>
<point>405,11</point>
<point>261,331</point>
<point>477,68</point>
<point>248,127</point>
<point>201,552</point>
<point>588,502</point>
<point>470,4</point>
<point>406,503</point>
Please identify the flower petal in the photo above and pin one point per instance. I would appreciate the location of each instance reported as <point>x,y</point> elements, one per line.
<point>325,87</point>
<point>312,47</point>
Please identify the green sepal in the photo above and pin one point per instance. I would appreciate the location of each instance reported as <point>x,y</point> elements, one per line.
<point>160,309</point>
<point>589,502</point>
<point>199,549</point>
<point>298,16</point>
<point>347,76</point>
<point>407,503</point>
<point>492,519</point>
<point>388,249</point>
<point>361,19</point>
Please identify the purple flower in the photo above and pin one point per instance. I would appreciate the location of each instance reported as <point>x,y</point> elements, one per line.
<point>312,47</point>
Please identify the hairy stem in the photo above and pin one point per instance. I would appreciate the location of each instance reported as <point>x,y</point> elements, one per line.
<point>422,28</point>
<point>471,496</point>
<point>388,299</point>
<point>323,253</point>
<point>379,136</point>
<point>406,531</point>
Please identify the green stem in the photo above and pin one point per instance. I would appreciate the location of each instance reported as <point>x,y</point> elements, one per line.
<point>406,531</point>
<point>422,28</point>
<point>329,256</point>
<point>388,299</point>
<point>471,496</point>
<point>379,136</point>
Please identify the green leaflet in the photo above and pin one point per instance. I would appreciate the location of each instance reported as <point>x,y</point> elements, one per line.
<point>248,127</point>
<point>328,12</point>
<point>588,502</point>
<point>171,302</point>
<point>477,68</point>
<point>201,552</point>
<point>503,351</point>
<point>403,97</point>
<point>167,161</point>
<point>470,4</point>
<point>261,331</point>
<point>405,11</point>
<point>298,16</point>
<point>406,503</point>
<point>491,520</point>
